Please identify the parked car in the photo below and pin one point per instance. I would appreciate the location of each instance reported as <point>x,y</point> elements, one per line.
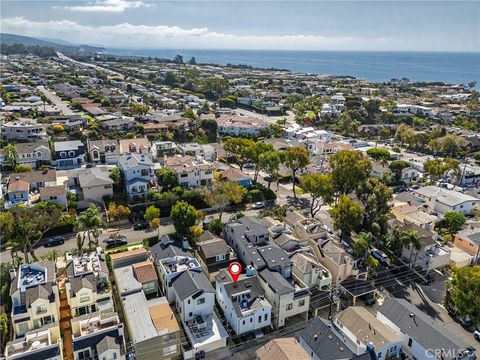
<point>476,334</point>
<point>54,241</point>
<point>113,242</point>
<point>268,179</point>
<point>379,255</point>
<point>258,205</point>
<point>248,166</point>
<point>368,299</point>
<point>142,225</point>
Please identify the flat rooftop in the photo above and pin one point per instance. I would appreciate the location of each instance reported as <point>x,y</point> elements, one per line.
<point>179,264</point>
<point>205,330</point>
<point>88,263</point>
<point>31,275</point>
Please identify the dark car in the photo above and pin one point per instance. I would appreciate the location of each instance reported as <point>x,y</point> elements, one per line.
<point>114,242</point>
<point>54,241</point>
<point>141,225</point>
<point>368,299</point>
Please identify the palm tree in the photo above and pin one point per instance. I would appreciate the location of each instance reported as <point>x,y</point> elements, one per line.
<point>362,244</point>
<point>10,152</point>
<point>91,222</point>
<point>414,241</point>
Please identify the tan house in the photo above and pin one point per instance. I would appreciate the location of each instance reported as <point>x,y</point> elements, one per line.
<point>469,241</point>
<point>338,261</point>
<point>282,349</point>
<point>35,299</point>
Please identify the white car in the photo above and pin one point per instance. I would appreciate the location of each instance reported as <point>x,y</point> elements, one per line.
<point>258,205</point>
<point>379,255</point>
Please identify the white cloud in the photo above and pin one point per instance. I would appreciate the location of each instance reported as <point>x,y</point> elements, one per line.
<point>106,6</point>
<point>126,35</point>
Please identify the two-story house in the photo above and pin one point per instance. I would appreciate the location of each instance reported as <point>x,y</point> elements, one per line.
<point>309,271</point>
<point>362,329</point>
<point>33,154</point>
<point>69,154</point>
<point>150,322</point>
<point>91,184</point>
<point>18,192</point>
<point>191,171</point>
<point>421,336</point>
<point>243,303</point>
<point>137,170</point>
<point>88,286</point>
<point>35,299</point>
<point>103,151</point>
<point>213,253</point>
<point>443,200</point>
<point>288,298</point>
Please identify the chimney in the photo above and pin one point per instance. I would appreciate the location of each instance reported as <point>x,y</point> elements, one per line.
<point>315,337</point>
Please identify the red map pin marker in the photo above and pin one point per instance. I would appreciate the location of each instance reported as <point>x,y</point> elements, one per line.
<point>235,269</point>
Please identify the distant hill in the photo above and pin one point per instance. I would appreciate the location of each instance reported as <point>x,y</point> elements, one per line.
<point>64,47</point>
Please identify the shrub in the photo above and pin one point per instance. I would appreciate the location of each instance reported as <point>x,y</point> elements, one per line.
<point>215,226</point>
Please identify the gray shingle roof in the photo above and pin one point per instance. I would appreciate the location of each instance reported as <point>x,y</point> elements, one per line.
<point>319,336</point>
<point>254,225</point>
<point>191,281</point>
<point>276,281</point>
<point>89,342</point>
<point>167,248</point>
<point>423,329</point>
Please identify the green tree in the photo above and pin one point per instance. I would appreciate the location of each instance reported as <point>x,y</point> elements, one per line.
<point>465,291</point>
<point>117,177</point>
<point>192,61</point>
<point>10,153</point>
<point>397,167</point>
<point>4,326</point>
<point>30,225</point>
<point>178,59</point>
<point>91,223</point>
<point>167,178</point>
<point>414,241</point>
<point>239,149</point>
<point>349,169</point>
<point>379,154</point>
<point>346,214</point>
<point>270,163</point>
<point>170,78</point>
<point>254,153</point>
<point>373,109</point>
<point>454,221</point>
<point>320,188</point>
<point>346,125</point>
<point>223,193</point>
<point>375,197</point>
<point>296,158</point>
<point>361,245</point>
<point>184,216</point>
<point>151,213</point>
<point>21,168</point>
<point>438,168</point>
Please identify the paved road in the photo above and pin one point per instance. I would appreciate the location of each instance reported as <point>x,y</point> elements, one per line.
<point>127,230</point>
<point>71,242</point>
<point>56,100</point>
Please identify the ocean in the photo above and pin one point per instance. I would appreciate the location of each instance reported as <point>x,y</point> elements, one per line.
<point>449,67</point>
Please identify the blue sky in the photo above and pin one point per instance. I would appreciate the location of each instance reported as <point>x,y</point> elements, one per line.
<point>282,25</point>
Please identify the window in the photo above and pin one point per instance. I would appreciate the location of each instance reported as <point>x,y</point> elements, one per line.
<point>260,319</point>
<point>190,314</point>
<point>251,319</point>
<point>114,355</point>
<point>84,354</point>
<point>243,322</point>
<point>289,307</point>
<point>380,354</point>
<point>183,175</point>
<point>41,309</point>
<point>170,350</point>
<point>301,302</point>
<point>201,301</point>
<point>266,317</point>
<point>84,298</point>
<point>145,172</point>
<point>188,302</point>
<point>410,341</point>
<point>220,257</point>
